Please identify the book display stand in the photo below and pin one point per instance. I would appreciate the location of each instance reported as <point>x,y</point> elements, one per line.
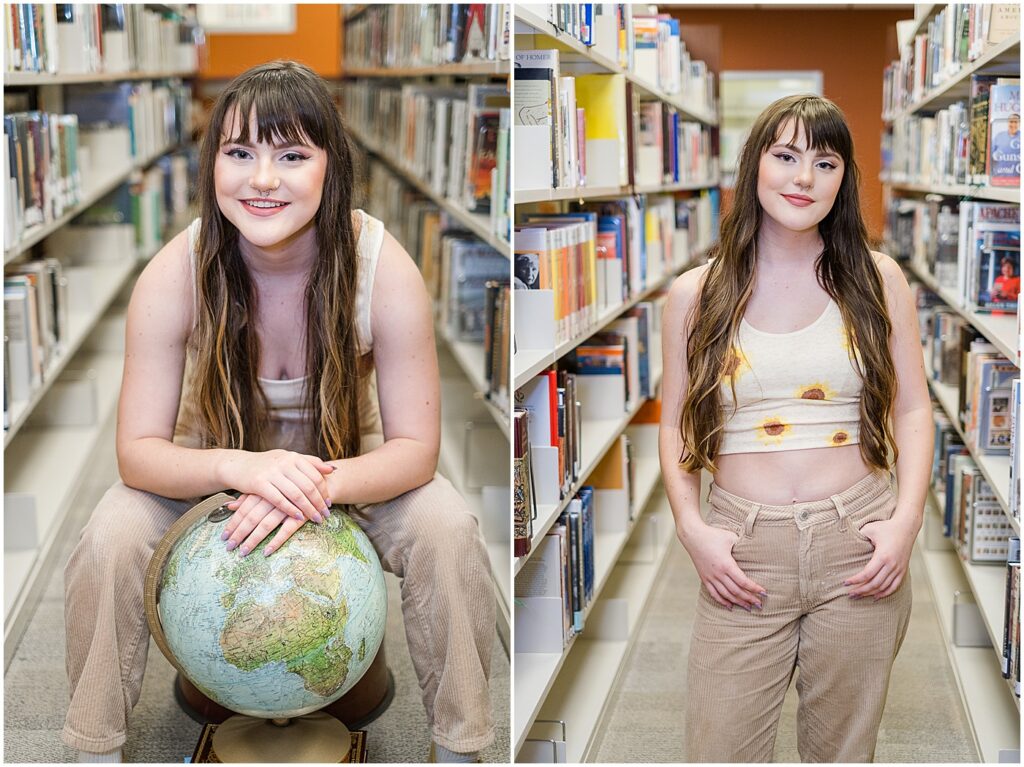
<point>381,82</point>
<point>65,329</point>
<point>970,598</point>
<point>567,660</point>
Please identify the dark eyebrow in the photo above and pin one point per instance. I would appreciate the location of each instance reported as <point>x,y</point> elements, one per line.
<point>250,145</point>
<point>797,149</point>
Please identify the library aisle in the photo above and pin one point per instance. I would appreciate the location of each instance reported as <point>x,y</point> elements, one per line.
<point>104,109</point>
<point>637,113</point>
<point>645,708</point>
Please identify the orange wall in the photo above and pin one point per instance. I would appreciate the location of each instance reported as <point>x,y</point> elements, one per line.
<point>850,47</point>
<point>316,42</point>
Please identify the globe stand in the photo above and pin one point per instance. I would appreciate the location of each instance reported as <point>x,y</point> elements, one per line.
<point>316,737</point>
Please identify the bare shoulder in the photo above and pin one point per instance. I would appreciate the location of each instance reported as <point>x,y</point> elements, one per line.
<point>685,289</point>
<point>397,280</point>
<point>891,272</point>
<point>164,289</point>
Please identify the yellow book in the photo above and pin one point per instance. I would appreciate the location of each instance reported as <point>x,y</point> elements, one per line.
<point>603,100</point>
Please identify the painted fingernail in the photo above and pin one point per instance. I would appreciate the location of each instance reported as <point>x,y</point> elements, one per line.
<point>745,607</point>
<point>300,517</point>
<point>762,594</point>
<point>334,469</point>
<point>231,545</point>
<point>328,502</point>
<point>317,518</point>
<point>244,550</point>
<point>225,535</point>
<point>758,606</point>
<point>267,551</point>
<point>327,511</point>
<point>854,596</point>
<point>846,583</point>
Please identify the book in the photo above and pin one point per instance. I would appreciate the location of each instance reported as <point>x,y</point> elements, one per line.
<point>537,118</point>
<point>1003,166</point>
<point>603,100</point>
<point>523,495</point>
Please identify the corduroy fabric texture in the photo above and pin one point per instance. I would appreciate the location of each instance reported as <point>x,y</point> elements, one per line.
<point>741,663</point>
<point>427,537</point>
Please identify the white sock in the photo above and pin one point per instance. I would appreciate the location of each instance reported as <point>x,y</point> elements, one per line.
<point>442,754</point>
<point>94,758</point>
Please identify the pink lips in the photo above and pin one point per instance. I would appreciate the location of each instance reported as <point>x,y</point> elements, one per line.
<point>798,200</point>
<point>263,212</point>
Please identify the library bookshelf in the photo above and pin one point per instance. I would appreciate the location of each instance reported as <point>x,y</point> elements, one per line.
<point>59,438</point>
<point>957,585</point>
<point>474,429</point>
<point>561,696</point>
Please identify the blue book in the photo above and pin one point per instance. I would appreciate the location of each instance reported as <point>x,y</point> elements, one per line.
<point>586,495</point>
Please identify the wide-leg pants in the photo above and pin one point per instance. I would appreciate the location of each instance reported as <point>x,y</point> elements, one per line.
<point>741,663</point>
<point>427,537</point>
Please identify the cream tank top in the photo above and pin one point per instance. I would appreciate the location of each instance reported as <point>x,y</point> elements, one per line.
<point>795,391</point>
<point>289,426</point>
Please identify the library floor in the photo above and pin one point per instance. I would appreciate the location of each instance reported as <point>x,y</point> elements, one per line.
<point>36,694</point>
<point>923,720</point>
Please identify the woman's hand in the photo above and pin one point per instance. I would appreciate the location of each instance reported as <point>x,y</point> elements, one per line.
<point>254,519</point>
<point>710,548</point>
<point>882,575</point>
<point>294,483</point>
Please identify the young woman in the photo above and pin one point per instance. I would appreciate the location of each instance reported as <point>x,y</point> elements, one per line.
<point>794,375</point>
<point>296,335</point>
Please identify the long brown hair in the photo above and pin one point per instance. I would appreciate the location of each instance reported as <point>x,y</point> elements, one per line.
<point>845,269</point>
<point>292,105</point>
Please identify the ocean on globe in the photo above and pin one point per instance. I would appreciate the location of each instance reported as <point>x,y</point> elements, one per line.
<point>276,636</point>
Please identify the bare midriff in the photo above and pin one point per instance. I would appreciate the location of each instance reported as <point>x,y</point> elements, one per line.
<point>791,476</point>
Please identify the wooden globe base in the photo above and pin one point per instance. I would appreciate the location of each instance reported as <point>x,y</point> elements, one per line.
<point>313,738</point>
<point>368,698</point>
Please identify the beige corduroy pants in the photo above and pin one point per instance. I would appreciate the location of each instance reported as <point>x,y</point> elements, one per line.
<point>427,537</point>
<point>741,663</point>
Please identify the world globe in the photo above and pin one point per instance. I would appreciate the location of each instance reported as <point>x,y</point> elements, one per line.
<point>269,637</point>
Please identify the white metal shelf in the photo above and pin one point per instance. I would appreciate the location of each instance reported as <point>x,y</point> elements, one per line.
<point>545,28</point>
<point>581,193</point>
<point>470,357</point>
<point>461,69</point>
<point>529,362</point>
<point>50,464</point>
<point>995,468</point>
<point>549,686</point>
<point>599,434</point>
<point>1001,330</point>
<point>1006,56</point>
<point>478,223</point>
<point>996,193</point>
<point>991,707</point>
<point>22,79</point>
<point>90,197</point>
<point>109,279</point>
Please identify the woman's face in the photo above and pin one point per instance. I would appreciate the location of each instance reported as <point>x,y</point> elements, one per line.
<point>271,193</point>
<point>797,186</point>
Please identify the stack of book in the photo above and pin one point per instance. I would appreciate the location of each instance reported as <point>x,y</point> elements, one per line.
<point>959,34</point>
<point>638,39</point>
<point>972,248</point>
<point>974,141</point>
<point>425,35</point>
<point>35,326</point>
<point>41,173</point>
<point>80,38</point>
<point>466,278</point>
<point>449,138</point>
<point>596,258</point>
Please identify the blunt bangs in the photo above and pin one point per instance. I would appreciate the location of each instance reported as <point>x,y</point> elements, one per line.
<point>287,110</point>
<point>820,120</point>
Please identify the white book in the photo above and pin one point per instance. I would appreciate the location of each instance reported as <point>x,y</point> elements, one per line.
<point>16,329</point>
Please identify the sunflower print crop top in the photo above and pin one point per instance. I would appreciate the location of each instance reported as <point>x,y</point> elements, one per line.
<point>796,390</point>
